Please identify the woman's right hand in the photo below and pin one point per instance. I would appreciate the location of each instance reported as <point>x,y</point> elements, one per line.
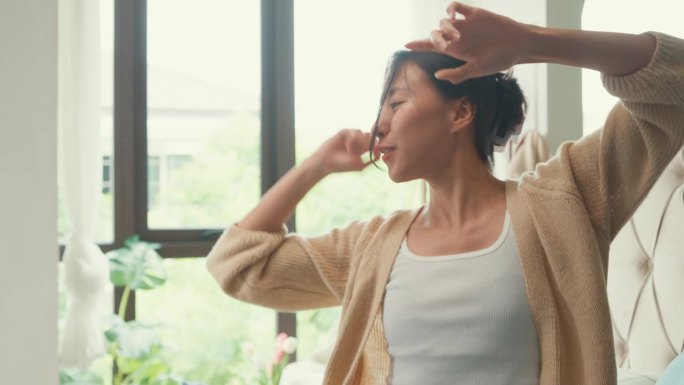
<point>342,152</point>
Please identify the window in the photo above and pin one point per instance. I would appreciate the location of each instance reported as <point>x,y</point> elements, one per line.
<point>181,157</point>
<point>153,185</point>
<point>193,117</point>
<point>203,105</point>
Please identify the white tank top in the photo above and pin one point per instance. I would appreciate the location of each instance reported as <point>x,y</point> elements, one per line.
<point>461,319</point>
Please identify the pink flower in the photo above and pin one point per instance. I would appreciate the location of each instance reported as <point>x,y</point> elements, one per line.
<point>279,352</point>
<point>271,370</point>
<point>278,356</point>
<point>280,339</point>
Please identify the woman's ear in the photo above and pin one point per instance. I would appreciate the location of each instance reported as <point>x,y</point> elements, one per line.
<point>463,114</point>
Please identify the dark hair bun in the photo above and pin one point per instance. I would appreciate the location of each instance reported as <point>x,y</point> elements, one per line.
<point>509,113</point>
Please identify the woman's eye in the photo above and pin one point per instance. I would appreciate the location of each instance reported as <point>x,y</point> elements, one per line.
<point>394,105</point>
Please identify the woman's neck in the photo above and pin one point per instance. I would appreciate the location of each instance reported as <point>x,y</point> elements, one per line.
<point>460,197</point>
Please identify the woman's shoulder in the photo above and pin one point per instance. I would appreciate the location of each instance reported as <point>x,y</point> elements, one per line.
<point>361,234</point>
<point>385,222</point>
<point>554,176</point>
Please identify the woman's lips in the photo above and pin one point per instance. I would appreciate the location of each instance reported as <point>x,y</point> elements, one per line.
<point>387,153</point>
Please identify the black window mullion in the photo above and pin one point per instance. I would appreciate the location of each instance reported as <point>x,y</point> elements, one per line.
<point>277,106</point>
<point>139,174</point>
<point>129,110</point>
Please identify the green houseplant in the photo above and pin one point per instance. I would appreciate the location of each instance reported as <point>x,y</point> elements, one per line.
<point>135,347</point>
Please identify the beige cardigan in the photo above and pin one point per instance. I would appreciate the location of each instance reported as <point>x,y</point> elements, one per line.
<point>565,215</point>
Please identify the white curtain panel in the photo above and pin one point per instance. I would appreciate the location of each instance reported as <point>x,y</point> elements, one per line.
<point>80,161</point>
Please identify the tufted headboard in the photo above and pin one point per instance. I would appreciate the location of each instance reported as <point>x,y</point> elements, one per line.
<point>646,277</point>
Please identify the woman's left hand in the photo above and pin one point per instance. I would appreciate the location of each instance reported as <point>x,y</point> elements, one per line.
<point>491,43</point>
<point>487,42</point>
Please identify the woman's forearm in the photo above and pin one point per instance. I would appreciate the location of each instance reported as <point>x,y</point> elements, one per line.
<point>341,153</point>
<point>608,52</point>
<point>276,206</point>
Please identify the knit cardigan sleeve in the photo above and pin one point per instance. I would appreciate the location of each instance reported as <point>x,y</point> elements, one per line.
<point>285,271</point>
<point>613,169</point>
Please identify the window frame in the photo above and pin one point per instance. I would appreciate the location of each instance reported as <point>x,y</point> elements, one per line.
<point>130,133</point>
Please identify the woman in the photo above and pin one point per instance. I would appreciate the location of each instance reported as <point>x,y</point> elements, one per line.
<point>491,282</point>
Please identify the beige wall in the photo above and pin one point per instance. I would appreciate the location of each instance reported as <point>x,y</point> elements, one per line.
<point>28,249</point>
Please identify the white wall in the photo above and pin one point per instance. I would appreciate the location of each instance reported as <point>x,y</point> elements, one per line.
<point>28,191</point>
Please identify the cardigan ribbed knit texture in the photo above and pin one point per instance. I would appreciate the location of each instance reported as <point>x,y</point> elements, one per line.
<point>565,214</point>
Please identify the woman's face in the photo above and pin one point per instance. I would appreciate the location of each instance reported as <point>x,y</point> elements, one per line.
<point>414,127</point>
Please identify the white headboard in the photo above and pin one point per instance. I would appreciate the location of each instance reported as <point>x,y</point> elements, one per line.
<point>646,278</point>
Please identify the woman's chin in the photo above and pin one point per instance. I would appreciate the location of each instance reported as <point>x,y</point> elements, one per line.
<point>392,174</point>
<point>398,177</point>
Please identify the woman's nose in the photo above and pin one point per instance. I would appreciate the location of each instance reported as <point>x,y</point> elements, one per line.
<point>382,126</point>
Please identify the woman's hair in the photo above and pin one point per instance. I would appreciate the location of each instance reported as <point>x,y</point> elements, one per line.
<point>499,102</point>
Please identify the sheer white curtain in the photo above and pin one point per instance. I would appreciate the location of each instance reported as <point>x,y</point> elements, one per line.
<point>86,268</point>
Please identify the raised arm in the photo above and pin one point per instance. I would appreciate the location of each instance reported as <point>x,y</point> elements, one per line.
<point>614,54</point>
<point>491,43</point>
<point>256,260</point>
<point>340,153</point>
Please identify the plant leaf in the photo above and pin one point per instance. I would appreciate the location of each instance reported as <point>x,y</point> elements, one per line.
<point>134,341</point>
<point>132,240</point>
<point>79,377</point>
<point>137,265</point>
<point>148,371</point>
